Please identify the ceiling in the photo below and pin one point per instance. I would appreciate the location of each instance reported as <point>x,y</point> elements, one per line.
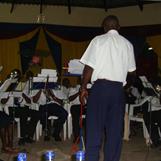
<point>104,4</point>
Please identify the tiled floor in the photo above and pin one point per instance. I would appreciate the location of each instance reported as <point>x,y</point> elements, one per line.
<point>133,150</point>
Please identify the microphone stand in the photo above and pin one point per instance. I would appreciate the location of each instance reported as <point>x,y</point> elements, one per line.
<point>46,137</point>
<point>14,104</point>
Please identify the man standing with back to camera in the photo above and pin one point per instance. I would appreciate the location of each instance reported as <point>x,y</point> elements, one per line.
<point>108,59</point>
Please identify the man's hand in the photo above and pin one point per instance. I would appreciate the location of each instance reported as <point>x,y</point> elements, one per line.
<point>87,73</point>
<point>83,96</point>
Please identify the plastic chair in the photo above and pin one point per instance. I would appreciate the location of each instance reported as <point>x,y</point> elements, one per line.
<point>69,120</point>
<point>132,117</point>
<point>52,118</point>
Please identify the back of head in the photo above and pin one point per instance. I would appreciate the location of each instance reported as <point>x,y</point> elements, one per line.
<point>110,22</point>
<point>29,74</point>
<point>66,82</point>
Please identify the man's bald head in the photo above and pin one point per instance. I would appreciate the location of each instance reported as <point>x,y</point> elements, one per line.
<point>110,22</point>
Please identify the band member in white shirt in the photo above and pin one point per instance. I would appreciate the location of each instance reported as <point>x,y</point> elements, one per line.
<point>51,104</point>
<point>19,106</point>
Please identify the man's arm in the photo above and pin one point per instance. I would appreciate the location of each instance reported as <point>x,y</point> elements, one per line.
<point>74,96</point>
<point>37,96</point>
<point>87,73</point>
<point>50,93</point>
<point>27,99</point>
<point>131,77</point>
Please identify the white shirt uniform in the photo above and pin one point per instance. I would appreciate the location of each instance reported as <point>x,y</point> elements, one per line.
<point>42,100</point>
<point>65,91</point>
<point>10,102</point>
<point>72,92</point>
<point>111,56</point>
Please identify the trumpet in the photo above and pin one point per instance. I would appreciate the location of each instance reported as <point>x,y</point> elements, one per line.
<point>158,88</point>
<point>15,73</point>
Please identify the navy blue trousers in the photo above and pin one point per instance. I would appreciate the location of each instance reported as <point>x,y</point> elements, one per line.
<point>105,115</point>
<point>53,109</point>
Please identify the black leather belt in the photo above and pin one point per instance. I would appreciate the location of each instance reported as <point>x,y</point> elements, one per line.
<point>107,80</point>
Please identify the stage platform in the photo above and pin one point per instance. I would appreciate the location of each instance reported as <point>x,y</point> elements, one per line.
<point>133,150</point>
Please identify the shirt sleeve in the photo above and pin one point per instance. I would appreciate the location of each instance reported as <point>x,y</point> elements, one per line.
<point>59,94</point>
<point>89,56</point>
<point>131,60</point>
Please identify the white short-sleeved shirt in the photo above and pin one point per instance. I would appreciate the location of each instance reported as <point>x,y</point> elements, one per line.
<point>42,100</point>
<point>111,56</point>
<point>10,102</point>
<point>73,91</point>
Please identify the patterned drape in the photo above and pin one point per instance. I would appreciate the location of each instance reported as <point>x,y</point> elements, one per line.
<point>63,43</point>
<point>27,50</point>
<point>56,51</point>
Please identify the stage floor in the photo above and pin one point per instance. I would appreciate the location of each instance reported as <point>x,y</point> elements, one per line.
<point>133,150</point>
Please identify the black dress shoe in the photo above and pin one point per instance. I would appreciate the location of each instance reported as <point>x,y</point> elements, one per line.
<point>156,144</point>
<point>29,140</point>
<point>57,138</point>
<point>21,141</point>
<point>46,138</point>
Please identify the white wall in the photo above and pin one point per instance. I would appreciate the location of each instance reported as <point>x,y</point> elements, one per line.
<point>129,16</point>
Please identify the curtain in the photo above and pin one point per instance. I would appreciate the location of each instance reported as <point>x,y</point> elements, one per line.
<point>155,42</point>
<point>27,50</point>
<point>56,51</point>
<point>71,40</point>
<point>13,30</point>
<point>10,57</point>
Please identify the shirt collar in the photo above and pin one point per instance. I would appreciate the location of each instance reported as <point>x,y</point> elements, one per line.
<point>113,31</point>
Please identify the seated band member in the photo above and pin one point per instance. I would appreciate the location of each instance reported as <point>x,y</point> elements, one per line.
<point>152,118</point>
<point>21,109</point>
<point>6,133</point>
<point>65,87</point>
<point>51,105</point>
<point>151,114</point>
<point>20,106</point>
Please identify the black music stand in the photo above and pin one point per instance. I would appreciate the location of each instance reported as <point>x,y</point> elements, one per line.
<point>150,92</point>
<point>11,89</point>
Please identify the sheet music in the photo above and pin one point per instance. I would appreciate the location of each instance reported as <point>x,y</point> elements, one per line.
<point>48,72</point>
<point>75,67</point>
<point>44,79</point>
